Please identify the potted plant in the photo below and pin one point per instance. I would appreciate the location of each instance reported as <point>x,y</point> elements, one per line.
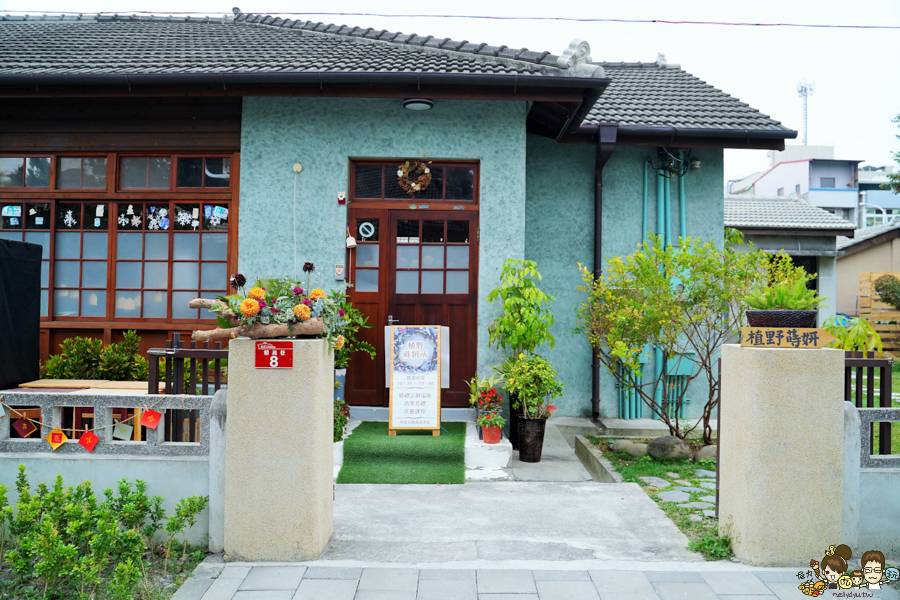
<point>525,321</point>
<point>478,387</point>
<point>784,300</point>
<point>491,424</point>
<point>534,383</point>
<point>353,321</point>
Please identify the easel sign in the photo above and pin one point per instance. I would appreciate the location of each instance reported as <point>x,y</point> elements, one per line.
<point>415,400</point>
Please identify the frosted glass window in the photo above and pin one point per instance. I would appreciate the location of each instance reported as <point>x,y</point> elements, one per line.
<point>457,257</point>
<point>94,245</point>
<point>432,257</point>
<point>407,282</point>
<point>11,172</point>
<point>184,275</point>
<point>157,246</point>
<point>407,257</point>
<point>213,276</point>
<point>367,280</point>
<point>128,275</point>
<point>68,173</point>
<point>180,308</point>
<point>45,273</point>
<point>45,302</point>
<point>432,282</point>
<point>186,246</point>
<point>128,245</point>
<point>65,303</point>
<point>15,236</point>
<point>93,274</point>
<point>93,303</point>
<point>155,304</point>
<point>66,273</point>
<point>37,172</point>
<point>128,303</point>
<point>68,245</point>
<point>215,246</point>
<point>156,275</point>
<point>41,238</point>
<point>367,255</point>
<point>146,172</point>
<point>457,282</point>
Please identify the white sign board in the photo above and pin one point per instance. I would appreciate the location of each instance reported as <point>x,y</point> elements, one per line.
<point>445,357</point>
<point>415,359</point>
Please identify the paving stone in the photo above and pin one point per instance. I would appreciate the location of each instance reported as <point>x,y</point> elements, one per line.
<point>561,575</point>
<point>231,572</point>
<point>691,490</point>
<point>264,595</point>
<point>705,473</point>
<point>505,581</point>
<point>389,579</point>
<point>567,590</point>
<point>222,589</point>
<point>273,578</point>
<point>621,582</point>
<point>750,597</point>
<point>776,576</point>
<point>332,573</point>
<point>193,588</point>
<point>673,496</point>
<point>209,569</point>
<point>385,595</point>
<point>710,485</point>
<point>697,505</point>
<point>673,577</point>
<point>787,591</point>
<point>454,574</point>
<point>708,499</point>
<point>734,582</point>
<point>447,589</point>
<point>673,590</point>
<point>709,513</point>
<point>508,597</point>
<point>658,482</point>
<point>651,596</point>
<point>671,474</point>
<point>695,518</point>
<point>682,482</point>
<point>326,589</point>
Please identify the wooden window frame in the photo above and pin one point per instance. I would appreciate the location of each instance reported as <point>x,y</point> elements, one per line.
<point>54,171</point>
<point>148,156</point>
<point>405,203</point>
<point>201,189</point>
<point>24,156</point>
<point>80,260</point>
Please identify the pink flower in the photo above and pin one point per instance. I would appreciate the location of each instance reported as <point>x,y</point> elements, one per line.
<point>307,302</point>
<point>297,291</point>
<point>551,408</point>
<point>262,303</point>
<point>341,312</point>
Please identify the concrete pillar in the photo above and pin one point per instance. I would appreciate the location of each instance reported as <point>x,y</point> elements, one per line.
<point>827,275</point>
<point>279,503</point>
<point>781,462</point>
<point>852,446</point>
<point>218,413</point>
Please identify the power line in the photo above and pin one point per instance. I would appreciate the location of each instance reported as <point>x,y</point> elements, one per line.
<point>498,18</point>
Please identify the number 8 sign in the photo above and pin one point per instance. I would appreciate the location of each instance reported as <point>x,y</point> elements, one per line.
<point>274,355</point>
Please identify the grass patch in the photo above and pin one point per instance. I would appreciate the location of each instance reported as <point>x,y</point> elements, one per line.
<point>371,456</point>
<point>703,535</point>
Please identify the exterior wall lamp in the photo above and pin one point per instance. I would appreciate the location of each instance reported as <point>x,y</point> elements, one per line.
<point>417,104</point>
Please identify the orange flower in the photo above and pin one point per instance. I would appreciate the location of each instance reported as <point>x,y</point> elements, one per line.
<point>317,293</point>
<point>249,307</point>
<point>339,342</point>
<point>301,311</point>
<point>257,293</point>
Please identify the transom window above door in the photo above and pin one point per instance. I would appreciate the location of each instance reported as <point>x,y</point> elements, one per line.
<point>450,182</point>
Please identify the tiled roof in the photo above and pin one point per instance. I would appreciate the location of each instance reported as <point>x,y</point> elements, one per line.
<point>640,95</point>
<point>654,95</point>
<point>866,234</point>
<point>245,44</point>
<point>753,213</point>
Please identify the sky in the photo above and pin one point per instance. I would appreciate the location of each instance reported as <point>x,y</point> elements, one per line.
<point>856,95</point>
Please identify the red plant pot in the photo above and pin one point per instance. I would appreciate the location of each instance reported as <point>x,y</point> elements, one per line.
<point>491,435</point>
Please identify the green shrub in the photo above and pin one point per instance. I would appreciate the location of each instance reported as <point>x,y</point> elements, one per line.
<point>86,358</point>
<point>857,335</point>
<point>785,288</point>
<point>341,418</point>
<point>888,288</point>
<point>71,545</point>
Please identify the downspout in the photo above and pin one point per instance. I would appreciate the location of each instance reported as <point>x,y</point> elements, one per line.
<point>682,201</point>
<point>661,231</point>
<point>644,202</point>
<point>668,210</point>
<point>606,144</point>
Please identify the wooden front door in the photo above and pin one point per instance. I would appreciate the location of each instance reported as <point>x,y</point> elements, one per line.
<point>414,267</point>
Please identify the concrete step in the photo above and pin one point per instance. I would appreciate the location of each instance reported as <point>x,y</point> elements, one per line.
<point>640,428</point>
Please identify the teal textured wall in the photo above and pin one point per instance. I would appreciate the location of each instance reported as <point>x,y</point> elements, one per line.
<point>324,133</point>
<point>559,234</point>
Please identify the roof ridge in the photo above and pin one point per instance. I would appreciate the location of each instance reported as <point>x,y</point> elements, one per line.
<point>413,40</point>
<point>106,17</point>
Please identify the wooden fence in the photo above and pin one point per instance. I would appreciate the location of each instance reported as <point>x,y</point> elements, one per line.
<point>883,317</point>
<point>860,370</point>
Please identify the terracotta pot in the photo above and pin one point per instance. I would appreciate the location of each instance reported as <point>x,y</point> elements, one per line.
<point>782,318</point>
<point>531,439</point>
<point>491,435</point>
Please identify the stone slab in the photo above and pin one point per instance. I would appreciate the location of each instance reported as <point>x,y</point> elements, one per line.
<point>684,591</point>
<point>640,428</point>
<point>486,456</point>
<point>193,588</point>
<point>673,576</point>
<point>707,499</point>
<point>697,505</point>
<point>735,583</point>
<point>705,473</point>
<point>567,590</point>
<point>710,485</point>
<point>561,575</point>
<point>264,595</point>
<point>446,574</point>
<point>657,482</point>
<point>326,589</point>
<point>222,589</point>
<point>273,578</point>
<point>385,595</point>
<point>621,582</point>
<point>332,573</point>
<point>558,461</point>
<point>600,469</point>
<point>447,589</point>
<point>507,581</point>
<point>690,490</point>
<point>389,579</point>
<point>674,496</point>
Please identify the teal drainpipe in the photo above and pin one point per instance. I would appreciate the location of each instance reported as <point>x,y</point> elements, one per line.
<point>661,231</point>
<point>668,197</point>
<point>644,204</point>
<point>682,201</point>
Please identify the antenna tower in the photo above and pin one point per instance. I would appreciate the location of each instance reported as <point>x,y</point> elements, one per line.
<point>805,90</point>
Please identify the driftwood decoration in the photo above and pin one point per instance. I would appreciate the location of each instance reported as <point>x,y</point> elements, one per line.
<point>313,326</point>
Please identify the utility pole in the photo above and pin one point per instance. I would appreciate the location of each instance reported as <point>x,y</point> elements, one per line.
<point>805,90</point>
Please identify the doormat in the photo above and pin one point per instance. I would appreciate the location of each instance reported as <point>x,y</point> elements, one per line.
<point>371,456</point>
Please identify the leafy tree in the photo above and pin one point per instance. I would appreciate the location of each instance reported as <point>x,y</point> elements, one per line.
<point>894,178</point>
<point>526,319</point>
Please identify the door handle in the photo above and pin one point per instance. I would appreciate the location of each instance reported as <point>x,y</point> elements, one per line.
<point>392,320</point>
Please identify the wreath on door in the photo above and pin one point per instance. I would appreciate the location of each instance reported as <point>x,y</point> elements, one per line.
<point>414,177</point>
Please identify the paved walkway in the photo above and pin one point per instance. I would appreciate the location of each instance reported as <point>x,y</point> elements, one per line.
<point>247,581</point>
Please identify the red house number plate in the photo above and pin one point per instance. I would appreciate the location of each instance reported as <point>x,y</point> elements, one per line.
<point>274,355</point>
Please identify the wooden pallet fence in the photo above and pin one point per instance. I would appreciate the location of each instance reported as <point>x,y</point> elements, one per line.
<point>880,314</point>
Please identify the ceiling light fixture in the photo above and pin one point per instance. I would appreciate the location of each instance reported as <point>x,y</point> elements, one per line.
<point>417,104</point>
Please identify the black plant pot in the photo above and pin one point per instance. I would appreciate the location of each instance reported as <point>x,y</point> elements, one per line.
<point>514,414</point>
<point>531,439</point>
<point>782,318</point>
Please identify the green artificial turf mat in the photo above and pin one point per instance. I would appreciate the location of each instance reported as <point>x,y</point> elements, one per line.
<point>372,456</point>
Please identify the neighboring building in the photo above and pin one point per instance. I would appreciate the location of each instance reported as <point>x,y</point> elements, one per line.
<point>874,249</point>
<point>111,120</point>
<point>807,233</point>
<point>880,205</point>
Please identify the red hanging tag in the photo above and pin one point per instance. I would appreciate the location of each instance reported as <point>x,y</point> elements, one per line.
<point>88,439</point>
<point>150,418</point>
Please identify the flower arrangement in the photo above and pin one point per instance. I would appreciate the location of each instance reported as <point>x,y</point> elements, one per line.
<point>477,386</point>
<point>490,420</point>
<point>490,401</point>
<point>535,382</point>
<point>414,177</point>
